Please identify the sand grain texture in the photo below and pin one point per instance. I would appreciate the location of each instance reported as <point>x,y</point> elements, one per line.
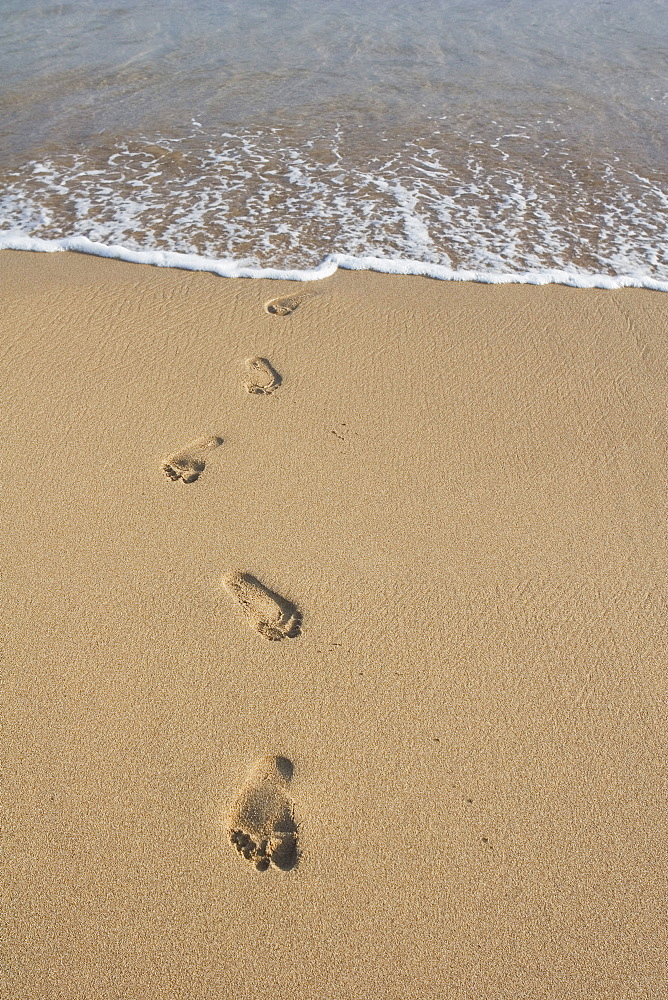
<point>462,486</point>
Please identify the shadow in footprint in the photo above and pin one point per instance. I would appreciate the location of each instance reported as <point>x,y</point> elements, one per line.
<point>262,825</point>
<point>188,464</point>
<point>264,378</point>
<point>271,615</point>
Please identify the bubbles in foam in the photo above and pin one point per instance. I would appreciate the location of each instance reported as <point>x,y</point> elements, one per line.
<point>514,203</point>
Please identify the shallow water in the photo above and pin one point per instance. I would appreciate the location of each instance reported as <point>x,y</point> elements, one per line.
<point>498,136</point>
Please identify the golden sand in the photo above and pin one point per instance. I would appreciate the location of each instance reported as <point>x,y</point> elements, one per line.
<point>449,510</point>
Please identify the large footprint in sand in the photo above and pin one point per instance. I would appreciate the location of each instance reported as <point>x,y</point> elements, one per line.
<point>262,824</point>
<point>188,464</point>
<point>269,613</point>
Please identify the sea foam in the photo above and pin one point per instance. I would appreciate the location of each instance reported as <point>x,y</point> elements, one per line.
<point>230,268</point>
<point>270,202</point>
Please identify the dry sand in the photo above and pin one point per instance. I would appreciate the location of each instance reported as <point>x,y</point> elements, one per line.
<point>450,508</point>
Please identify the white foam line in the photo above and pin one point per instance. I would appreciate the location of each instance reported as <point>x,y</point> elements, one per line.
<point>229,268</point>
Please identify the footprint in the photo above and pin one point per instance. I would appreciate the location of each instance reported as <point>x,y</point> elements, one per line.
<point>269,613</point>
<point>264,378</point>
<point>285,306</point>
<point>188,464</point>
<point>262,823</point>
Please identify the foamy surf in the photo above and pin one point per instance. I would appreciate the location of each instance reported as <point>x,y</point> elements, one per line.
<point>289,199</point>
<point>230,268</point>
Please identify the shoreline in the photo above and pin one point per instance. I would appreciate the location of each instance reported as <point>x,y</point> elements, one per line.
<point>229,268</point>
<point>450,502</point>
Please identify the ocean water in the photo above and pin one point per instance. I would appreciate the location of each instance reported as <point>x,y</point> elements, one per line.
<point>494,139</point>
